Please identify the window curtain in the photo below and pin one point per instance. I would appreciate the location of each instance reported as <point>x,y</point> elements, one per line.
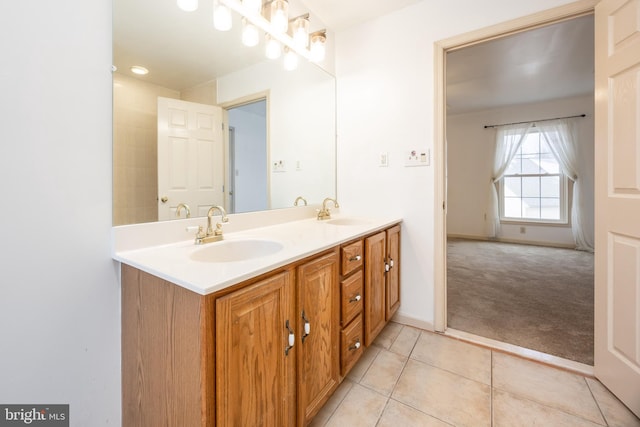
<point>508,140</point>
<point>560,135</point>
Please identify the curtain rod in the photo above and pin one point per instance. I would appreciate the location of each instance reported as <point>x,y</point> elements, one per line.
<point>533,121</point>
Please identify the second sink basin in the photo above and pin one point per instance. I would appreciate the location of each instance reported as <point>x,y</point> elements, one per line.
<point>236,250</point>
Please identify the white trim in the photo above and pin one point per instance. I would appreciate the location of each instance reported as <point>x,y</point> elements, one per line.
<point>536,356</point>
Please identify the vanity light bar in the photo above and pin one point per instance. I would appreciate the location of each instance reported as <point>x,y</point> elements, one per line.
<point>260,22</point>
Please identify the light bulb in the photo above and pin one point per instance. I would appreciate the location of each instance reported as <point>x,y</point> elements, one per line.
<point>253,7</point>
<point>290,59</point>
<point>188,5</point>
<point>221,17</point>
<point>301,31</point>
<point>317,49</point>
<point>272,49</point>
<point>280,15</point>
<point>250,35</point>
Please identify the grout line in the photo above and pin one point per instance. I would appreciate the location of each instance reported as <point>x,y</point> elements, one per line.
<point>606,423</point>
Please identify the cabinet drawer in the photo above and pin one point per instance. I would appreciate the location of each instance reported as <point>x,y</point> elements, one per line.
<point>351,297</point>
<point>351,257</point>
<point>351,344</point>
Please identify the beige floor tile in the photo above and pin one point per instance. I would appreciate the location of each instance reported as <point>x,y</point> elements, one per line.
<point>406,341</point>
<point>384,372</point>
<point>545,385</point>
<point>397,414</point>
<point>332,404</point>
<point>513,411</point>
<point>444,395</point>
<point>360,368</point>
<point>388,335</point>
<point>361,407</point>
<point>461,358</point>
<point>615,413</point>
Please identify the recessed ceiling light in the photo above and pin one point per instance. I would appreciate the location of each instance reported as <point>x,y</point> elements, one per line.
<point>136,69</point>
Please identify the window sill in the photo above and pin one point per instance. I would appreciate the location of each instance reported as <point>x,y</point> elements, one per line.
<point>564,224</point>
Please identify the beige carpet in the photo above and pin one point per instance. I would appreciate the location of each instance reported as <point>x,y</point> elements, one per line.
<point>534,297</point>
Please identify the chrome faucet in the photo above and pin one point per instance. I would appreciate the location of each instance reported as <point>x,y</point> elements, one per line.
<point>324,213</point>
<point>212,235</point>
<point>185,207</point>
<point>300,199</point>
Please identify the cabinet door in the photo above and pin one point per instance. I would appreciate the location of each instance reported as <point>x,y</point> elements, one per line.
<point>255,378</point>
<point>374,279</point>
<point>319,345</point>
<point>393,275</point>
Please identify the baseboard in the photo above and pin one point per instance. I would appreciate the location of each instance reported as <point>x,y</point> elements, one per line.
<point>518,241</point>
<point>412,321</point>
<point>525,353</point>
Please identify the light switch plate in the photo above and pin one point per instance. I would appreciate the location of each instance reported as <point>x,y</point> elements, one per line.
<point>417,157</point>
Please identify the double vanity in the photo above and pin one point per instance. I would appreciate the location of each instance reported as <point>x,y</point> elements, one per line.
<point>259,328</point>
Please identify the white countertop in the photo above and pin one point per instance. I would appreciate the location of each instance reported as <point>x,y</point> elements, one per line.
<point>299,239</point>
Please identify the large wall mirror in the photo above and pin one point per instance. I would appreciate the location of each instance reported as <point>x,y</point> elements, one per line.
<point>271,132</point>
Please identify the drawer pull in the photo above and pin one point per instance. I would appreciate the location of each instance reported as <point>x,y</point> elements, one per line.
<point>356,298</point>
<point>307,326</point>
<point>355,258</point>
<point>292,339</point>
<point>355,346</point>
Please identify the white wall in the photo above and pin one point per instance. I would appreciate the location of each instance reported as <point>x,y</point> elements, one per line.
<point>59,297</point>
<point>385,104</point>
<point>470,151</point>
<point>301,122</point>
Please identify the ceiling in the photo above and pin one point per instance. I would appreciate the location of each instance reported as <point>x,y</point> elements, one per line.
<point>183,49</point>
<point>341,14</point>
<point>551,62</point>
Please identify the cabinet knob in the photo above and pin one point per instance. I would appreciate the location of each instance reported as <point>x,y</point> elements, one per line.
<point>356,298</point>
<point>355,346</point>
<point>355,258</point>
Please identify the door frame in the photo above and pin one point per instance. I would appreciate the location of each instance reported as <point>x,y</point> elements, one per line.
<point>239,102</point>
<point>441,47</point>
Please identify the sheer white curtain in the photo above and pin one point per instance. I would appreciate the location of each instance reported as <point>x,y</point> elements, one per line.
<point>508,140</point>
<point>560,135</point>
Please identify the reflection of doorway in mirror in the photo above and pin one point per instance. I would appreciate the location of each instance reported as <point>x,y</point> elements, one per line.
<point>190,157</point>
<point>248,157</point>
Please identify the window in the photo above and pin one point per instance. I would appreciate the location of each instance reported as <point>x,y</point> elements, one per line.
<point>533,189</point>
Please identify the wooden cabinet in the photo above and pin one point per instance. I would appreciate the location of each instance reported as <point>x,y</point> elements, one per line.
<point>319,331</point>
<point>255,368</point>
<point>269,351</point>
<point>382,280</point>
<point>392,292</point>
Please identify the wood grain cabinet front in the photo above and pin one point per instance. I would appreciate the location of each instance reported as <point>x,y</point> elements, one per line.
<point>381,281</point>
<point>266,352</point>
<point>255,365</point>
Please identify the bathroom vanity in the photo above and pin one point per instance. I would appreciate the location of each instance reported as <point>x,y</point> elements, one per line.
<point>258,341</point>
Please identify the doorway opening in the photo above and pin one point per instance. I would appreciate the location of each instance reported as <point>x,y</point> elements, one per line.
<point>467,246</point>
<point>248,157</point>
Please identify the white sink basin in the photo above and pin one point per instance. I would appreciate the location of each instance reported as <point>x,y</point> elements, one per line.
<point>348,221</point>
<point>235,250</point>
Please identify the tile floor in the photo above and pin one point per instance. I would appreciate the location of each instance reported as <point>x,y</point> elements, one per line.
<point>411,377</point>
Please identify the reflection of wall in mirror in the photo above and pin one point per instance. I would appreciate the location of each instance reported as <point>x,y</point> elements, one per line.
<point>135,133</point>
<point>301,127</point>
